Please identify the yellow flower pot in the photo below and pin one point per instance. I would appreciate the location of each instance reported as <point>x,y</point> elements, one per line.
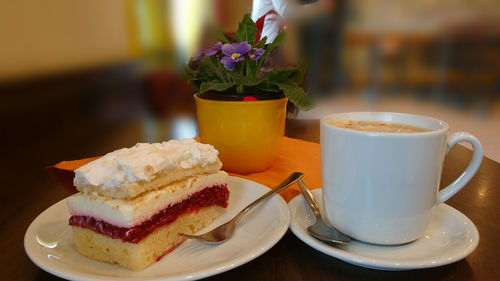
<point>246,133</point>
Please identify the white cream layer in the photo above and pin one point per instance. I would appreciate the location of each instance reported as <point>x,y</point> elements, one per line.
<point>128,213</point>
<point>143,161</point>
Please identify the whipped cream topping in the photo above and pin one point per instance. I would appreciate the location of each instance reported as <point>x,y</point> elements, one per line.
<point>143,161</point>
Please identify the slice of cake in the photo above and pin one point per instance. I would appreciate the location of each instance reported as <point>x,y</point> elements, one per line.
<point>134,202</point>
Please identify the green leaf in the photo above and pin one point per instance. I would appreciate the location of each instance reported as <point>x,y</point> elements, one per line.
<point>294,74</point>
<point>247,30</point>
<point>189,72</point>
<point>252,70</point>
<point>222,37</point>
<point>296,94</point>
<point>279,75</point>
<point>267,87</point>
<point>239,89</point>
<point>223,72</point>
<point>262,43</point>
<point>298,77</point>
<point>245,80</point>
<point>214,86</point>
<point>278,41</point>
<point>207,66</point>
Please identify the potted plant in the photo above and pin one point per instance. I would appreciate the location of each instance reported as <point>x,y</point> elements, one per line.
<point>240,106</point>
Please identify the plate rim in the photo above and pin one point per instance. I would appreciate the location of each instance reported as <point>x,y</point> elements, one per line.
<point>380,263</point>
<point>203,273</point>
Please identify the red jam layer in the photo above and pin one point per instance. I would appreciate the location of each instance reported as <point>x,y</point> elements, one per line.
<point>215,195</point>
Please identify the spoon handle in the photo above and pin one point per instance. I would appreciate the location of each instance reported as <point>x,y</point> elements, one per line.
<point>309,198</point>
<point>284,184</point>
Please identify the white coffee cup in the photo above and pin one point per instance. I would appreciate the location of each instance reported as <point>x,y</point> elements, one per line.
<point>383,188</point>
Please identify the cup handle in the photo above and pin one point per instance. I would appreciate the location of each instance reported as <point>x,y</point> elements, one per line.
<point>469,172</point>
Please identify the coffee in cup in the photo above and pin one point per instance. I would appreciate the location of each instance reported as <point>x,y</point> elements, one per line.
<point>376,126</point>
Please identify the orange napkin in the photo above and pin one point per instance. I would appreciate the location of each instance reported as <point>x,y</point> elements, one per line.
<point>294,156</point>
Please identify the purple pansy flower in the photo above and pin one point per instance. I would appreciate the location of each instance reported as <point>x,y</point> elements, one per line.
<point>198,55</point>
<point>234,53</point>
<point>214,50</point>
<point>208,52</point>
<point>255,54</point>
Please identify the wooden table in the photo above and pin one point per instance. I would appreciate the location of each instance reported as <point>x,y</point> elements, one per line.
<point>27,191</point>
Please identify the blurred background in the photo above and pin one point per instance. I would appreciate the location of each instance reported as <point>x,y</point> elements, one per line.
<point>75,76</point>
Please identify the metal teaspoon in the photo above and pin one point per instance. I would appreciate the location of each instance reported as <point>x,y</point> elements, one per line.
<point>320,230</point>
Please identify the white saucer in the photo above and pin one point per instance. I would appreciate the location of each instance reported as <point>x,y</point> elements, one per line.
<point>450,237</point>
<point>49,242</point>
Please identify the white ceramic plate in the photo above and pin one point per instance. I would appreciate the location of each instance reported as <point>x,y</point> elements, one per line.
<point>450,237</point>
<point>49,242</point>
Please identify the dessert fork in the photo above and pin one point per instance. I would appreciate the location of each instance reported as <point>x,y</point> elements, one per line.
<point>226,230</point>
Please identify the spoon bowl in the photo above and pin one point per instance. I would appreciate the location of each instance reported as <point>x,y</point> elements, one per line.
<point>320,230</point>
<point>324,232</point>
